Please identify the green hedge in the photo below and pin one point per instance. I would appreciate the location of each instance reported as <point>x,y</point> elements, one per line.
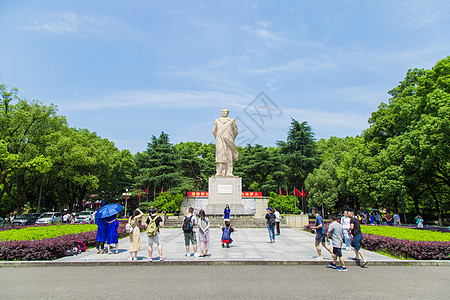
<point>44,232</point>
<point>406,233</point>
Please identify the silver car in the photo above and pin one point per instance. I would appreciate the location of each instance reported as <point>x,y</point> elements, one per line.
<point>85,217</point>
<point>49,218</point>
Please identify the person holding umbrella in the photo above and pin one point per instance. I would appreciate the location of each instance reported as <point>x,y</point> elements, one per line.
<point>112,224</point>
<point>102,222</point>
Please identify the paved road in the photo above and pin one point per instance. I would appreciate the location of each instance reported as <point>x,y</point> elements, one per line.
<point>157,281</point>
<point>249,244</point>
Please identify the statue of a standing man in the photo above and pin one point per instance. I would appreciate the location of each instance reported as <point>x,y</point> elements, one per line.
<point>225,131</point>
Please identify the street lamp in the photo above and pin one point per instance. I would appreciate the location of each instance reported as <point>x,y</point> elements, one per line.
<point>126,195</point>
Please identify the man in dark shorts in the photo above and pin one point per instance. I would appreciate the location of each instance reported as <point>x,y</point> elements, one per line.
<point>336,233</point>
<point>321,234</point>
<point>355,230</point>
<point>153,214</point>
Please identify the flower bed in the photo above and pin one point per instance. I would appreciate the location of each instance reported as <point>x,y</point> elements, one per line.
<point>49,248</point>
<point>43,232</point>
<point>421,250</point>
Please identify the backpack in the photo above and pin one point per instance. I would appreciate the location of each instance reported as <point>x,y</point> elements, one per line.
<point>152,229</point>
<point>271,219</point>
<point>187,226</point>
<point>226,234</point>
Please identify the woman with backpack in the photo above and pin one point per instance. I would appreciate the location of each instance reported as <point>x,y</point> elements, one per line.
<point>203,234</point>
<point>270,223</point>
<point>135,236</point>
<point>226,234</point>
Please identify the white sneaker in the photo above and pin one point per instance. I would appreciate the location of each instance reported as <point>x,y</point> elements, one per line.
<point>196,254</point>
<point>319,258</point>
<point>347,249</point>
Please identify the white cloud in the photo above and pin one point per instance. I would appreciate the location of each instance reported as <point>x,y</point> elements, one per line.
<point>297,65</point>
<point>66,23</point>
<point>161,98</point>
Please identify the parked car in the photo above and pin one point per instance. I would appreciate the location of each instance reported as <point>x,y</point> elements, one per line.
<point>49,218</point>
<point>85,217</point>
<point>25,219</point>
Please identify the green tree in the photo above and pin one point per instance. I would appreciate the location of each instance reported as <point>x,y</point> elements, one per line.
<point>158,165</point>
<point>196,165</point>
<point>300,153</point>
<point>262,168</point>
<point>23,128</point>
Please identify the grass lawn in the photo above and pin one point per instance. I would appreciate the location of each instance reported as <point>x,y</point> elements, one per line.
<point>44,232</point>
<point>406,233</point>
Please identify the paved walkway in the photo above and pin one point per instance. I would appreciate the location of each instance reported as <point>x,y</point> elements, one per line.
<point>249,244</point>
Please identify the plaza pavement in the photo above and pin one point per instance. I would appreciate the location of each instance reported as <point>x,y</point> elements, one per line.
<point>250,244</point>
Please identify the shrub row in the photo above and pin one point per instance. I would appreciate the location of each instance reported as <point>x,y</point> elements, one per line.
<point>421,250</point>
<point>44,232</point>
<point>49,249</point>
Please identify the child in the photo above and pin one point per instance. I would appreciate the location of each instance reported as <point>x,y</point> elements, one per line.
<point>336,233</point>
<point>226,234</point>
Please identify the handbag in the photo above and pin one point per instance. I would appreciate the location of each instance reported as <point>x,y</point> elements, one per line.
<point>129,228</point>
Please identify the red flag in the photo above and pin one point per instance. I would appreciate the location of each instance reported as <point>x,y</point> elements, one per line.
<point>169,190</point>
<point>287,192</point>
<point>146,190</point>
<point>281,194</point>
<point>139,196</point>
<point>161,191</point>
<point>154,192</point>
<point>303,193</point>
<point>297,192</point>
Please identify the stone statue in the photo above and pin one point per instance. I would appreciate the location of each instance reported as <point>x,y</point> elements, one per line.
<point>225,131</point>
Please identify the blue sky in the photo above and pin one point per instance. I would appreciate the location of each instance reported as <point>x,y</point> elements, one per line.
<point>128,70</point>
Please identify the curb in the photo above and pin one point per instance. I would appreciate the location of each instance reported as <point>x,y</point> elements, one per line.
<point>414,263</point>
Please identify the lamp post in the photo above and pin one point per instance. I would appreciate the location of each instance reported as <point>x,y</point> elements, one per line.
<point>126,195</point>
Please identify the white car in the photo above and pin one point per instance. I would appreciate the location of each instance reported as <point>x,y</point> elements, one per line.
<point>49,218</point>
<point>85,217</point>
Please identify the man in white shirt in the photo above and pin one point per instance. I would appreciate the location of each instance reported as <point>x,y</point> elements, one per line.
<point>345,222</point>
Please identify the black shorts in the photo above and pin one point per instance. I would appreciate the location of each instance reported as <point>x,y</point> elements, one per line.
<point>337,251</point>
<point>320,237</point>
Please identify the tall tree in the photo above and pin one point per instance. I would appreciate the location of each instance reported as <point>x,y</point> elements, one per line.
<point>300,153</point>
<point>158,165</point>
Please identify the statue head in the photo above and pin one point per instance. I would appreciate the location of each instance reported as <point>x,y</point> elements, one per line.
<point>225,113</point>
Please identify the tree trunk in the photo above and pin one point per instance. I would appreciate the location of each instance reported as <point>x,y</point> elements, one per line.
<point>436,206</point>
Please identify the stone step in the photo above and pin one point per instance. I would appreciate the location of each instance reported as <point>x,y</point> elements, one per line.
<point>238,222</point>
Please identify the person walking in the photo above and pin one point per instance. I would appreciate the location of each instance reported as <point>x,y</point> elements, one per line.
<point>277,221</point>
<point>112,224</point>
<point>226,213</point>
<point>270,223</point>
<point>355,230</point>
<point>320,234</point>
<point>189,232</point>
<point>335,232</point>
<point>135,236</point>
<point>203,233</point>
<point>345,222</point>
<point>153,224</point>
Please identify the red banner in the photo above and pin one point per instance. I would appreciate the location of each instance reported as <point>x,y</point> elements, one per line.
<point>206,194</point>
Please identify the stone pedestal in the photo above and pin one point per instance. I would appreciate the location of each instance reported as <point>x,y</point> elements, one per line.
<point>225,190</point>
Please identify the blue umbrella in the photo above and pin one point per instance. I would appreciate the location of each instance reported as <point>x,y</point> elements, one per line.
<point>108,210</point>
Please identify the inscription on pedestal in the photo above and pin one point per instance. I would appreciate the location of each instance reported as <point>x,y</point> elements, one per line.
<point>225,189</point>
